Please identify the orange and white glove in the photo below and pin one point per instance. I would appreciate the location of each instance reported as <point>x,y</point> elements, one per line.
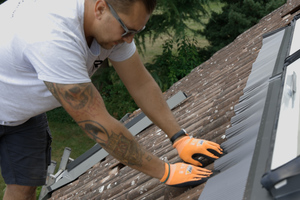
<point>191,148</point>
<point>181,175</point>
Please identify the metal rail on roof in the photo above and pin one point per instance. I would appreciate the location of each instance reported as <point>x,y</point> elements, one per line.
<point>251,137</point>
<point>87,160</point>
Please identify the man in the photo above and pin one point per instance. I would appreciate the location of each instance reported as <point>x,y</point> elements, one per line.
<point>47,51</point>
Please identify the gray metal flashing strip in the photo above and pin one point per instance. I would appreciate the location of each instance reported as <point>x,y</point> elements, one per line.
<point>135,120</point>
<point>284,51</point>
<point>262,158</point>
<point>273,32</point>
<point>235,166</point>
<point>84,156</point>
<point>95,154</point>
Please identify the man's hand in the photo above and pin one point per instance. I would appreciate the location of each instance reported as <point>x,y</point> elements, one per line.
<point>181,175</point>
<point>190,148</point>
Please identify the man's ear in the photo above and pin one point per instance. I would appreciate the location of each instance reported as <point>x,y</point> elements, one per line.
<point>100,8</point>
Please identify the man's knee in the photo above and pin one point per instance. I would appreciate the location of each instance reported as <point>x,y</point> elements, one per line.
<point>19,192</point>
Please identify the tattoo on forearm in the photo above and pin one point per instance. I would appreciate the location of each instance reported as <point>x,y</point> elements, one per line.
<point>81,96</point>
<point>52,89</point>
<point>83,93</point>
<point>77,97</point>
<point>94,129</point>
<point>119,146</point>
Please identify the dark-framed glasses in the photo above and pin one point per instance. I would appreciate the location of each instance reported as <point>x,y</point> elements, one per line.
<point>128,32</point>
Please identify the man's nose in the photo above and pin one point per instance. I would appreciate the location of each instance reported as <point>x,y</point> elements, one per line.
<point>128,38</point>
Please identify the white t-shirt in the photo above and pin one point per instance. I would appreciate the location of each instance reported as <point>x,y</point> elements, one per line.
<point>43,40</point>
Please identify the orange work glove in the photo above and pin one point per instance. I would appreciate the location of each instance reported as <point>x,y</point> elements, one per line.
<point>190,148</point>
<point>181,175</point>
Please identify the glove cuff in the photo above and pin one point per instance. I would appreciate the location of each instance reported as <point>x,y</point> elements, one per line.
<point>179,144</point>
<point>177,135</point>
<point>167,173</point>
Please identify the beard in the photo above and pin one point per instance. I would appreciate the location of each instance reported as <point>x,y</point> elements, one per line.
<point>110,45</point>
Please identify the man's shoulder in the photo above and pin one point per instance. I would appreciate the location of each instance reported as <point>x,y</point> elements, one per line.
<point>49,20</point>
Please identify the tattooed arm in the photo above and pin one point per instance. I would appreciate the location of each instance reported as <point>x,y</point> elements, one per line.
<point>84,103</point>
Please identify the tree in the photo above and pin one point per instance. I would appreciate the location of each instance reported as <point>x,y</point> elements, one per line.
<point>1,1</point>
<point>236,17</point>
<point>171,66</point>
<point>171,17</point>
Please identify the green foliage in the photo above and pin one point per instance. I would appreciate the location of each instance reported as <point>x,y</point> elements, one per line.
<point>171,17</point>
<point>115,95</point>
<point>236,17</point>
<point>175,62</point>
<point>60,115</point>
<point>2,1</point>
<point>117,100</point>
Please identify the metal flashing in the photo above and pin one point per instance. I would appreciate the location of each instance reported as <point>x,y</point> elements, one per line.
<point>281,175</point>
<point>274,32</point>
<point>265,139</point>
<point>96,153</point>
<point>84,156</point>
<point>263,159</point>
<point>283,51</point>
<point>242,135</point>
<point>135,120</point>
<point>252,137</point>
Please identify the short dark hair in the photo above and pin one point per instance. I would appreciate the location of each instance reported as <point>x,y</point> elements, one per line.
<point>124,5</point>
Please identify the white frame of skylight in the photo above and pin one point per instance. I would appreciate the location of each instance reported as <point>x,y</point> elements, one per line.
<point>286,145</point>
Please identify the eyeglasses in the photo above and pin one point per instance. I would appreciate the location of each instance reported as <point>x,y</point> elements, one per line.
<point>127,32</point>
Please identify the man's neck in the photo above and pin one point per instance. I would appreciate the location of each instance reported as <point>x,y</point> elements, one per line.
<point>87,21</point>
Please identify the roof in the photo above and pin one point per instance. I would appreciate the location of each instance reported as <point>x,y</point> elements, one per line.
<point>213,91</point>
<point>258,124</point>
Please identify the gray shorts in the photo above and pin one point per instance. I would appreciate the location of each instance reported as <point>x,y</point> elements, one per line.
<point>25,152</point>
